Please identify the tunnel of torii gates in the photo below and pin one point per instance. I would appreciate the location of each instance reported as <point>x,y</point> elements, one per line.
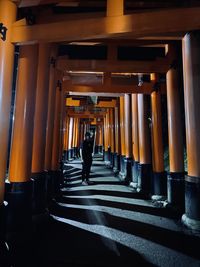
<point>50,117</point>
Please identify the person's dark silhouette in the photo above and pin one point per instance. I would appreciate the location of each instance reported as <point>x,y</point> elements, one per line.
<point>86,151</point>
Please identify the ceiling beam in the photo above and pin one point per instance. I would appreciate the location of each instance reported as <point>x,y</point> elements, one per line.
<point>146,88</point>
<point>85,115</point>
<point>138,25</point>
<point>160,65</point>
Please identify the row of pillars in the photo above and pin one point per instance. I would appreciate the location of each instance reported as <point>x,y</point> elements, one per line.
<point>37,141</point>
<point>73,134</point>
<point>134,140</point>
<point>34,173</point>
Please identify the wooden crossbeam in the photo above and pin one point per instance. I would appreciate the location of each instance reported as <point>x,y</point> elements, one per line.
<point>160,65</point>
<point>146,88</point>
<point>138,25</point>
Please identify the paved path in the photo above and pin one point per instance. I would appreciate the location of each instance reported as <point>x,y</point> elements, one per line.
<point>107,224</point>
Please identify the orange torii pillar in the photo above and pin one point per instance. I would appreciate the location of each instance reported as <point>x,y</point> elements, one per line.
<point>50,123</point>
<point>122,136</point>
<point>8,12</point>
<point>112,136</point>
<point>159,179</point>
<point>106,138</point>
<point>56,159</point>
<point>39,134</point>
<point>96,147</point>
<point>71,122</point>
<point>135,140</point>
<point>145,166</point>
<point>19,199</point>
<point>128,138</point>
<point>74,138</point>
<point>191,67</point>
<point>175,181</point>
<point>100,149</point>
<point>65,137</point>
<point>116,167</point>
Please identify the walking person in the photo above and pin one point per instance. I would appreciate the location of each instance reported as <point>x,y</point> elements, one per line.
<point>86,152</point>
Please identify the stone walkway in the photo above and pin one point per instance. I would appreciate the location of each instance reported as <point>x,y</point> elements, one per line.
<point>107,224</point>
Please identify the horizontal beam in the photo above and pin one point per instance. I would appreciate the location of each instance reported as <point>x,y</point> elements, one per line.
<point>107,104</point>
<point>138,25</point>
<point>146,88</point>
<point>72,102</point>
<point>160,65</point>
<point>95,94</point>
<point>85,116</point>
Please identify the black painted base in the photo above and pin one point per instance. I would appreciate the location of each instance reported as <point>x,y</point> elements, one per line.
<point>4,254</point>
<point>106,157</point>
<point>39,193</point>
<point>116,163</point>
<point>192,197</point>
<point>100,149</point>
<point>128,162</point>
<point>159,185</point>
<point>19,210</point>
<point>144,178</point>
<point>176,190</point>
<point>135,174</point>
<point>66,155</point>
<point>70,154</point>
<point>2,221</point>
<point>57,182</point>
<point>111,159</point>
<point>122,167</point>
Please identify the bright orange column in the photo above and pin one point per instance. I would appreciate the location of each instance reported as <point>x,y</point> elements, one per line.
<point>106,137</point>
<point>112,137</point>
<point>144,177</point>
<point>22,139</point>
<point>70,137</point>
<point>51,110</point>
<point>191,67</point>
<point>122,135</point>
<point>8,12</point>
<point>135,139</point>
<point>40,119</point>
<point>159,176</point>
<point>128,138</point>
<point>175,188</point>
<point>39,134</point>
<point>117,141</point>
<point>55,163</point>
<point>19,208</point>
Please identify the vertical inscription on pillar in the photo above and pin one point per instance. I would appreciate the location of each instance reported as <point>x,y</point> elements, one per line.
<point>3,31</point>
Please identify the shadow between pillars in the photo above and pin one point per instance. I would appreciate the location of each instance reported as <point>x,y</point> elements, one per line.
<point>90,192</point>
<point>178,241</point>
<point>71,246</point>
<point>160,212</point>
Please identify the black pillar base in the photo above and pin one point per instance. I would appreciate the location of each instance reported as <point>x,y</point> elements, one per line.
<point>56,182</point>
<point>122,167</point>
<point>39,193</point>
<point>159,185</point>
<point>4,255</point>
<point>106,158</point>
<point>70,154</point>
<point>135,174</point>
<point>19,210</point>
<point>128,170</point>
<point>116,163</point>
<point>111,160</point>
<point>100,149</point>
<point>144,178</point>
<point>191,218</point>
<point>176,190</point>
